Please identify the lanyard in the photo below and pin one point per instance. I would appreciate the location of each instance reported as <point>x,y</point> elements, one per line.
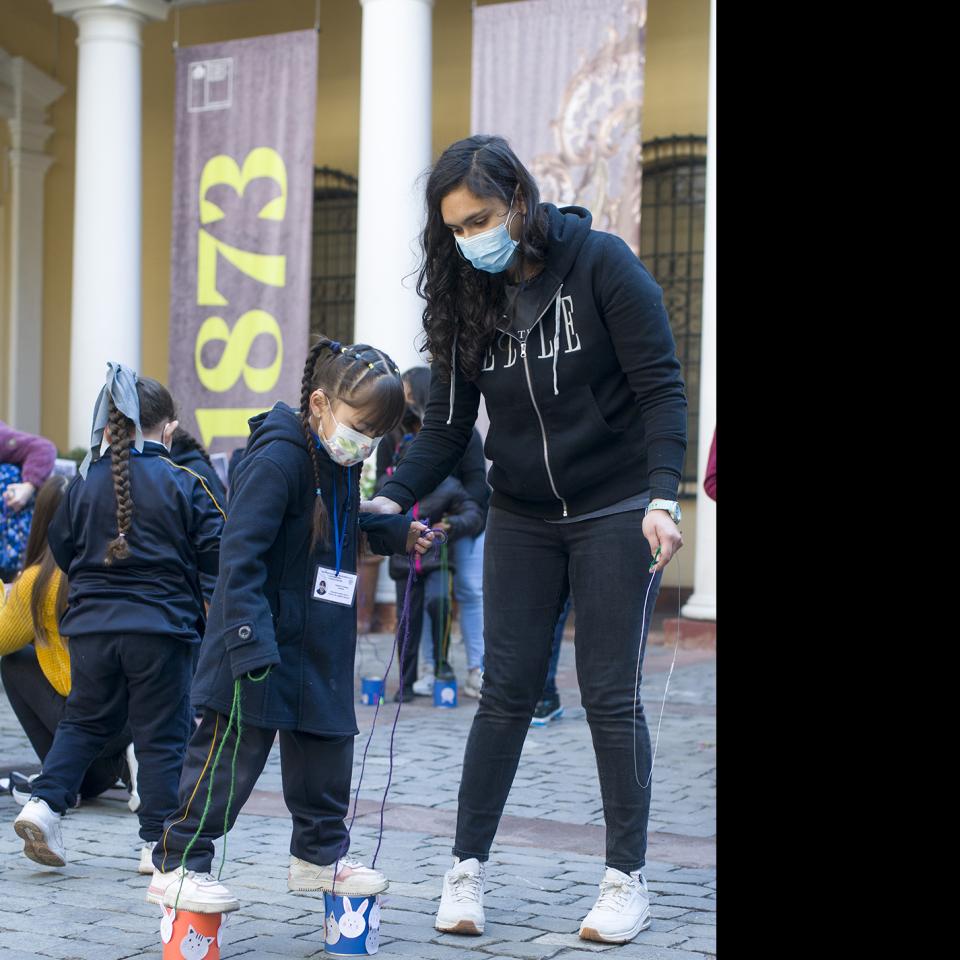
<point>338,536</point>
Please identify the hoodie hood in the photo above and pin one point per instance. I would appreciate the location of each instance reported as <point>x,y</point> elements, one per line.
<point>280,423</point>
<point>567,229</point>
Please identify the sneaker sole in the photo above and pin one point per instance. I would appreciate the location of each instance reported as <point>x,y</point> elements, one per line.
<point>195,906</point>
<point>146,871</point>
<point>358,888</point>
<point>35,846</point>
<point>471,692</point>
<point>463,927</point>
<point>543,721</point>
<point>589,933</point>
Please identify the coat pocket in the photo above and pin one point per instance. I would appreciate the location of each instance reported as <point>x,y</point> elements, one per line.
<point>290,616</point>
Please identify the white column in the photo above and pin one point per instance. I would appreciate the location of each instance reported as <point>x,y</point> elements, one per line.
<point>105,319</point>
<point>702,605</point>
<point>395,145</point>
<point>29,93</point>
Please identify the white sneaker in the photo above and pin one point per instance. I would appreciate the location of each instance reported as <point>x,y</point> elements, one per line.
<point>461,904</point>
<point>622,910</point>
<point>39,827</point>
<point>424,686</point>
<point>473,683</point>
<point>199,892</point>
<point>134,802</point>
<point>353,878</point>
<point>146,859</point>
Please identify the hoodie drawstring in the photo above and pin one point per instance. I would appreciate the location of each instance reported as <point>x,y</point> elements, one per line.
<point>556,339</point>
<point>453,373</point>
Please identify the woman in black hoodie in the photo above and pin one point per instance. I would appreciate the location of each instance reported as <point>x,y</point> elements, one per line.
<point>563,331</point>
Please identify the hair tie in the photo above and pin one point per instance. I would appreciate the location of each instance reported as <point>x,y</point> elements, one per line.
<point>318,491</point>
<point>335,346</point>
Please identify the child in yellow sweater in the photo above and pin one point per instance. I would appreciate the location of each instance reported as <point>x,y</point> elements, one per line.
<point>35,664</point>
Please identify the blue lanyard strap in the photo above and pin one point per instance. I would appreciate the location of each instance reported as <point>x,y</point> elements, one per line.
<point>339,537</point>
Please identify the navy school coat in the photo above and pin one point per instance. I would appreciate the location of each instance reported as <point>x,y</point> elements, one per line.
<point>262,613</point>
<point>174,541</point>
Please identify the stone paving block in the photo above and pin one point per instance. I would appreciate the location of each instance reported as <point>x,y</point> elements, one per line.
<point>661,888</point>
<point>703,944</point>
<point>690,903</point>
<point>574,942</point>
<point>534,951</point>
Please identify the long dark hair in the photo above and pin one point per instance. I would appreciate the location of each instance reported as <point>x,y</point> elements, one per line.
<point>156,405</point>
<point>38,553</point>
<point>461,300</point>
<point>360,375</point>
<point>418,380</point>
<point>182,441</point>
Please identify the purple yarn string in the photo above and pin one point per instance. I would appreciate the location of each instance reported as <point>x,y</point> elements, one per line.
<point>403,624</point>
<point>405,617</point>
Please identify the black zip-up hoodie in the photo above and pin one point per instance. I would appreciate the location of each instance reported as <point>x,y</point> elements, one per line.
<point>588,411</point>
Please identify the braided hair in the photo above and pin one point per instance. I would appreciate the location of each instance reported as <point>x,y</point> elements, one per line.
<point>359,375</point>
<point>156,405</point>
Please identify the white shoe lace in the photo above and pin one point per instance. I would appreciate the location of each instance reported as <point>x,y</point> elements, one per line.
<point>466,887</point>
<point>614,894</point>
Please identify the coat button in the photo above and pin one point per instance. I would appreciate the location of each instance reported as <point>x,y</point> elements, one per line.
<point>244,632</point>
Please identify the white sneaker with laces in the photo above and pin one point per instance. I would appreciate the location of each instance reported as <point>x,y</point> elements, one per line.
<point>473,684</point>
<point>622,910</point>
<point>200,892</point>
<point>424,686</point>
<point>39,827</point>
<point>461,903</point>
<point>146,859</point>
<point>353,878</point>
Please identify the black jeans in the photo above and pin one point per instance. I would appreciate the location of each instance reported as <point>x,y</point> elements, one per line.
<point>39,708</point>
<point>529,567</point>
<point>316,787</point>
<point>115,677</point>
<point>429,593</point>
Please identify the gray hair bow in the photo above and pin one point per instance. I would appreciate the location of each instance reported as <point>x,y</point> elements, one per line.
<point>121,387</point>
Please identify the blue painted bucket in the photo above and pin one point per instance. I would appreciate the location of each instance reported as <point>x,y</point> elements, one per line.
<point>372,690</point>
<point>351,925</point>
<point>444,693</point>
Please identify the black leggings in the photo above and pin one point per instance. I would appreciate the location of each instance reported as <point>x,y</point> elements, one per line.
<point>39,708</point>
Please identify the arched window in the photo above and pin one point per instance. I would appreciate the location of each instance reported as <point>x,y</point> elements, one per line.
<point>671,247</point>
<point>334,269</point>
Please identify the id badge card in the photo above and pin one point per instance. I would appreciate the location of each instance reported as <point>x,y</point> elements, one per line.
<point>333,588</point>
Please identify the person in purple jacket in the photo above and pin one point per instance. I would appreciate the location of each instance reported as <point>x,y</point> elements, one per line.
<point>26,461</point>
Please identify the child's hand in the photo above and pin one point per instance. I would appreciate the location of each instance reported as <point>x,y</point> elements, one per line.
<point>419,543</point>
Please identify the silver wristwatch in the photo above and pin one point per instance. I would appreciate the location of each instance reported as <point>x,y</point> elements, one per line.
<point>671,506</point>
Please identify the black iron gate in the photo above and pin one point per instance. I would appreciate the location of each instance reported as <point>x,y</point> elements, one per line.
<point>671,246</point>
<point>333,274</point>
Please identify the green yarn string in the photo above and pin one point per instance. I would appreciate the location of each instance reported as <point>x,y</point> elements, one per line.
<point>235,707</point>
<point>233,775</point>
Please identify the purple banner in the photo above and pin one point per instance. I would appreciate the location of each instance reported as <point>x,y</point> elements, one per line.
<point>241,244</point>
<point>576,126</point>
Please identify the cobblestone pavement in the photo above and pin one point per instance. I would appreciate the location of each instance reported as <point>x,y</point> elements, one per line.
<point>544,867</point>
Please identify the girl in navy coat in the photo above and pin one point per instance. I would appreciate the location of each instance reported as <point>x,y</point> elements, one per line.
<point>133,533</point>
<point>283,623</point>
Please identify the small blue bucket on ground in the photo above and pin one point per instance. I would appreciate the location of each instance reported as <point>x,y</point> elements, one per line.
<point>444,693</point>
<point>372,690</point>
<point>351,925</point>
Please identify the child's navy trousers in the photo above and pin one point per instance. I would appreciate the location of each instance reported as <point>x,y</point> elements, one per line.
<point>118,678</point>
<point>316,775</point>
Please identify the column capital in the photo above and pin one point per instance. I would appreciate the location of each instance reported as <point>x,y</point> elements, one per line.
<point>28,136</point>
<point>144,9</point>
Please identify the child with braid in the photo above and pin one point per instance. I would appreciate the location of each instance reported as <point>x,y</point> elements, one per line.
<point>133,534</point>
<point>282,631</point>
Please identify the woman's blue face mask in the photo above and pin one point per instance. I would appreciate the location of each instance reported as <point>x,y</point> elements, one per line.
<point>491,250</point>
